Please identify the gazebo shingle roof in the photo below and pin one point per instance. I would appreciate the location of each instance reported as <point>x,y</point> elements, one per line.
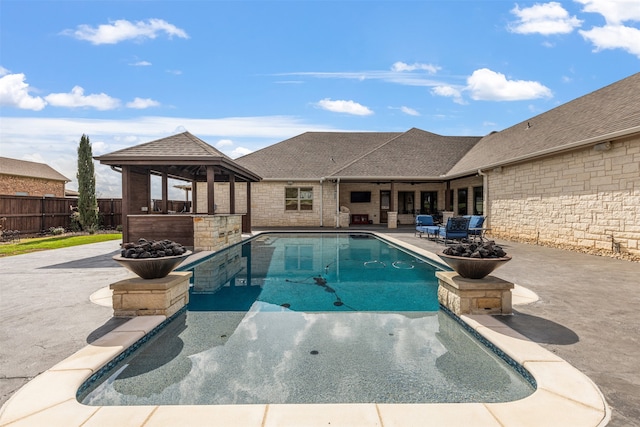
<point>181,145</point>
<point>183,156</point>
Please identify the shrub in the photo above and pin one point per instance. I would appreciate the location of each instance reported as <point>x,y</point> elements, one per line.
<point>56,231</point>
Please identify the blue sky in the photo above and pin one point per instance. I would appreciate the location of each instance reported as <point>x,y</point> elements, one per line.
<point>243,75</point>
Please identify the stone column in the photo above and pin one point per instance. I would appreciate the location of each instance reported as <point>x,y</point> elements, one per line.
<point>148,297</point>
<point>392,219</point>
<point>489,295</point>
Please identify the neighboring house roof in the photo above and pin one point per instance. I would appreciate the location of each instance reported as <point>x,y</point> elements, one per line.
<point>30,169</point>
<point>607,113</point>
<point>183,155</point>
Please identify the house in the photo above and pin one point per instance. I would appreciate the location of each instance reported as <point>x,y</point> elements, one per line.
<point>569,177</point>
<point>23,178</point>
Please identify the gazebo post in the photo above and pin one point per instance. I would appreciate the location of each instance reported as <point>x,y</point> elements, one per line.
<point>194,196</point>
<point>165,193</point>
<point>211,206</point>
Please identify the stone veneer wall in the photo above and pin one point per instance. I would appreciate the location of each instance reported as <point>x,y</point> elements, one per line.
<point>222,196</point>
<point>10,185</point>
<point>582,200</point>
<point>267,201</point>
<point>213,233</point>
<point>267,206</point>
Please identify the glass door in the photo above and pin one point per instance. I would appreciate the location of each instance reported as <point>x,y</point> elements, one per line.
<point>385,199</point>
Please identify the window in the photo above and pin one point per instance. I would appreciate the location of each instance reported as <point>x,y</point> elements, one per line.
<point>405,202</point>
<point>478,201</point>
<point>298,199</point>
<point>360,196</point>
<point>462,201</point>
<point>429,202</point>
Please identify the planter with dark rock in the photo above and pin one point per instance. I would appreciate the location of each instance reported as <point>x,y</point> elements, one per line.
<point>474,260</point>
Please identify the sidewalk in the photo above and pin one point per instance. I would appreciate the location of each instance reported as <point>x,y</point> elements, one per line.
<point>586,313</point>
<point>45,311</point>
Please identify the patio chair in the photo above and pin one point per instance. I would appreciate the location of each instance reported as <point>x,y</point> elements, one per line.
<point>425,224</point>
<point>475,226</point>
<point>457,228</point>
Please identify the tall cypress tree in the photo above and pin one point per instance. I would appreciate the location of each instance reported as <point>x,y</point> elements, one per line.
<point>87,203</point>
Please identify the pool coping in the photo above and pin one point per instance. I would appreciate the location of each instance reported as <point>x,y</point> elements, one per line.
<point>564,396</point>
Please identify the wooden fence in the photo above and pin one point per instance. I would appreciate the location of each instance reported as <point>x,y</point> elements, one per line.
<point>34,215</point>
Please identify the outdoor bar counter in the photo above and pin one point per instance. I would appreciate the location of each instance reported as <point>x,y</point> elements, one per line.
<point>199,232</point>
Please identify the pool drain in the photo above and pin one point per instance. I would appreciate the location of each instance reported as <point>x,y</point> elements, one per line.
<point>314,352</point>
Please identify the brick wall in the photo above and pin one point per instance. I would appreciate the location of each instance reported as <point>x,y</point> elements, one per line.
<point>11,184</point>
<point>582,200</point>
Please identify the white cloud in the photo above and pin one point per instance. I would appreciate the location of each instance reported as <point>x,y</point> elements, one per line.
<point>400,73</point>
<point>142,103</point>
<point>14,92</point>
<point>224,143</point>
<point>614,11</point>
<point>56,139</point>
<point>76,98</point>
<point>450,92</point>
<point>614,37</point>
<point>341,106</point>
<point>546,19</point>
<point>142,64</point>
<point>239,152</point>
<point>401,66</point>
<point>488,85</point>
<point>121,30</point>
<point>409,111</point>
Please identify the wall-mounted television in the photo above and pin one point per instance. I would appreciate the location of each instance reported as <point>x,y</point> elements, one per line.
<point>360,196</point>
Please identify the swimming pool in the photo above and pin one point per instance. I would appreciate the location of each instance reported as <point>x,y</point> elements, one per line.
<point>310,318</point>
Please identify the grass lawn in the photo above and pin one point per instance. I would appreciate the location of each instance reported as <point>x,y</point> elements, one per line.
<point>54,242</point>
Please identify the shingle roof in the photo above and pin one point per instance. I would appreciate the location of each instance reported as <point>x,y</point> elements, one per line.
<point>612,109</point>
<point>183,155</point>
<point>313,155</point>
<point>30,169</point>
<point>413,154</point>
<point>181,145</point>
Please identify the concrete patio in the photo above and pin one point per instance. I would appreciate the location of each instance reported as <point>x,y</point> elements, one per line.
<point>585,313</point>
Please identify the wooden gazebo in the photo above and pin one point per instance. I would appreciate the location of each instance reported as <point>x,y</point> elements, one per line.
<point>188,158</point>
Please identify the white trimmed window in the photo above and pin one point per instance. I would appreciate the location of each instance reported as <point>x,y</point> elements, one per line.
<point>298,198</point>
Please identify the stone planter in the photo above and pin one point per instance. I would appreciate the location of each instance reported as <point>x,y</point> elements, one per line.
<point>473,268</point>
<point>151,268</point>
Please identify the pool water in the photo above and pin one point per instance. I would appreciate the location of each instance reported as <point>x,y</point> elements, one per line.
<point>311,318</point>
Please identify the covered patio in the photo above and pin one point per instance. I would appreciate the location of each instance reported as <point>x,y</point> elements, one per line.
<point>187,158</point>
